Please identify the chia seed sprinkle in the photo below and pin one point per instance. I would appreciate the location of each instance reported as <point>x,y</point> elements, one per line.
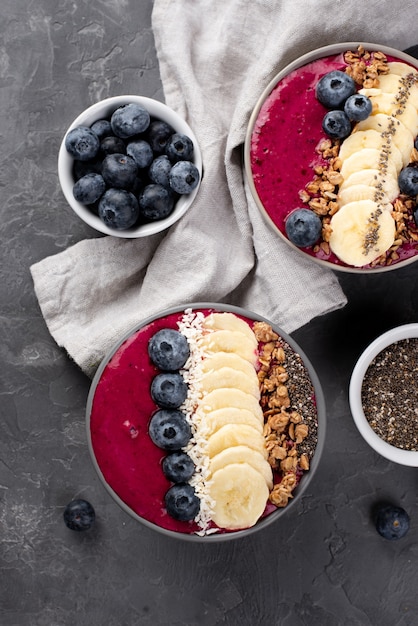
<point>302,397</point>
<point>390,394</point>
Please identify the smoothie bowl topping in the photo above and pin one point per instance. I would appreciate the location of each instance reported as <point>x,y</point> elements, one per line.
<point>224,417</point>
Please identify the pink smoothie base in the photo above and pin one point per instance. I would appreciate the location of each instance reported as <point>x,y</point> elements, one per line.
<point>282,140</point>
<point>119,409</point>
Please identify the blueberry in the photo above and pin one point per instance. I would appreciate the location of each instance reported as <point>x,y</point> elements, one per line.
<point>336,124</point>
<point>141,152</point>
<point>129,120</point>
<point>184,177</point>
<point>81,168</point>
<point>112,145</point>
<point>408,180</point>
<point>79,515</point>
<point>358,107</point>
<point>118,209</point>
<point>178,467</point>
<point>169,430</point>
<point>160,169</point>
<point>82,143</point>
<point>156,202</point>
<point>119,171</point>
<point>179,148</point>
<point>392,522</point>
<point>182,502</point>
<point>102,128</point>
<point>303,227</point>
<point>333,89</point>
<point>158,134</point>
<point>415,215</point>
<point>169,390</point>
<point>89,188</point>
<point>168,349</point>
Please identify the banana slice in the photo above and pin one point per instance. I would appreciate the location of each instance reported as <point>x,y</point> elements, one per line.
<point>393,83</point>
<point>225,398</point>
<point>242,454</point>
<point>361,232</point>
<point>386,103</point>
<point>214,420</point>
<point>229,321</point>
<point>393,128</point>
<point>373,178</point>
<point>226,359</point>
<point>354,193</point>
<point>229,341</point>
<point>362,139</point>
<point>400,68</point>
<point>229,377</point>
<point>240,494</point>
<point>367,159</point>
<point>236,435</point>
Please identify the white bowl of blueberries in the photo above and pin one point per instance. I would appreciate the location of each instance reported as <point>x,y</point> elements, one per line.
<point>129,166</point>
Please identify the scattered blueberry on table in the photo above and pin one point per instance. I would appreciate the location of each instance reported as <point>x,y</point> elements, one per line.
<point>79,515</point>
<point>392,522</point>
<point>135,153</point>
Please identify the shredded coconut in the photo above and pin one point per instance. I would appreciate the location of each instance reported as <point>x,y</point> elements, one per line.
<point>190,326</point>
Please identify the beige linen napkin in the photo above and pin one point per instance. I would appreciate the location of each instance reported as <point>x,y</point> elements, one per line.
<point>216,57</point>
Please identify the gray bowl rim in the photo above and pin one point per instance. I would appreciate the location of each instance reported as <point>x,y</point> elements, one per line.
<point>308,57</point>
<point>306,479</point>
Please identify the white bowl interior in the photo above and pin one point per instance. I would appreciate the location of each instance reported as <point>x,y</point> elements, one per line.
<point>403,457</point>
<point>104,109</point>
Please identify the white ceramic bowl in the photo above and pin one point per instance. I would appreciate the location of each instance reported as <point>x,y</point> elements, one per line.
<point>390,452</point>
<point>131,350</point>
<point>104,109</point>
<point>274,210</point>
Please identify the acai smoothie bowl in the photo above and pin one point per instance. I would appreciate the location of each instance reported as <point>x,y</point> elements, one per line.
<point>331,156</point>
<point>206,422</point>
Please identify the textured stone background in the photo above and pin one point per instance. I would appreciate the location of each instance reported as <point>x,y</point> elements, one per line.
<point>322,565</point>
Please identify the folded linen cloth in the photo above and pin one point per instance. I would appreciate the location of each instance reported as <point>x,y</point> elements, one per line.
<point>215,57</point>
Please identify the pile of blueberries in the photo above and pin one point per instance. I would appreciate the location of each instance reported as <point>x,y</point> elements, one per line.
<point>131,169</point>
<point>169,350</point>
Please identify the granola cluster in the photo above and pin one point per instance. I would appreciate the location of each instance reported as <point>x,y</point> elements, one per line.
<point>321,194</point>
<point>285,429</point>
<point>365,67</point>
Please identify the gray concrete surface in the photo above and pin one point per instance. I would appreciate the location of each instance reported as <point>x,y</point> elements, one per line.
<point>324,564</point>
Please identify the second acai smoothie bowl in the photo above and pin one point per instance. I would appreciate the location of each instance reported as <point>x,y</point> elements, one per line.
<point>331,156</point>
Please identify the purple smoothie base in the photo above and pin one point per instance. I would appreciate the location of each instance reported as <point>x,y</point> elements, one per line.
<point>283,152</point>
<point>122,407</point>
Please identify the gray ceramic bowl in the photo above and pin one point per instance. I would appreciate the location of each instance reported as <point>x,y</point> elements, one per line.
<point>382,447</point>
<point>275,218</point>
<point>106,378</point>
<point>102,110</point>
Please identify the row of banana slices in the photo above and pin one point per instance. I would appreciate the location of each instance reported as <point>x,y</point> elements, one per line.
<point>372,157</point>
<point>239,476</point>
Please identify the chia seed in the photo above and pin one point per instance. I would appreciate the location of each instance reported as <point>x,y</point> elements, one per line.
<point>390,394</point>
<point>302,398</point>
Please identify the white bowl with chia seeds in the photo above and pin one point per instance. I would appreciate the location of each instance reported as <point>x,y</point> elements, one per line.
<point>383,394</point>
